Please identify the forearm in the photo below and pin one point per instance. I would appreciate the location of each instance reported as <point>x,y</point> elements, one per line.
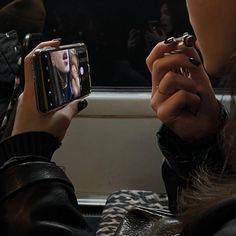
<point>184,159</point>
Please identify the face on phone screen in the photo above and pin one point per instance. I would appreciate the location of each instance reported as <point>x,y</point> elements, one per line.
<point>66,75</point>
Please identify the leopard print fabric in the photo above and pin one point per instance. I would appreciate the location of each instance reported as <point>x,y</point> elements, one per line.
<point>120,202</point>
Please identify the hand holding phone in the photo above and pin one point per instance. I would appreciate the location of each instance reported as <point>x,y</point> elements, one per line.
<point>61,75</point>
<point>29,118</point>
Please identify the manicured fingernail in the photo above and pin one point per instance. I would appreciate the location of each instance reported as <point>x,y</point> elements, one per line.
<point>82,104</point>
<point>194,61</point>
<point>169,40</point>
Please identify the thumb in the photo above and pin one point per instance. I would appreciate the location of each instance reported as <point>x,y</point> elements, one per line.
<point>72,109</point>
<point>29,67</point>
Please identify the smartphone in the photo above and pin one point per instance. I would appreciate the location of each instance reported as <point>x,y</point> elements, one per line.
<point>61,75</point>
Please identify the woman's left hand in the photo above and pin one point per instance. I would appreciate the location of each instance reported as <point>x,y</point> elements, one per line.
<point>183,100</point>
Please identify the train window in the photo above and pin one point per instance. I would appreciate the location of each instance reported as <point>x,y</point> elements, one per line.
<point>119,34</point>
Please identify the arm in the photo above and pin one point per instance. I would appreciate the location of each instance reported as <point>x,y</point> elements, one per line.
<point>36,197</point>
<point>187,106</point>
<point>183,160</point>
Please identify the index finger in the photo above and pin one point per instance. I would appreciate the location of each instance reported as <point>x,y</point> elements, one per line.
<point>157,52</point>
<point>162,48</point>
<point>28,65</point>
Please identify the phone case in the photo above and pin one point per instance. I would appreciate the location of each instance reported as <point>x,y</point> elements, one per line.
<point>51,95</point>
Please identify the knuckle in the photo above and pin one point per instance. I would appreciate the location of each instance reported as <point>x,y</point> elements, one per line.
<point>159,114</point>
<point>43,44</point>
<point>156,65</point>
<point>20,97</point>
<point>162,114</point>
<point>148,61</point>
<point>183,94</point>
<point>170,75</point>
<point>168,82</point>
<point>154,104</point>
<point>28,58</point>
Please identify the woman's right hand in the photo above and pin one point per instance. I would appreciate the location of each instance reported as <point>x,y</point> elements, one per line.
<point>29,119</point>
<point>187,105</point>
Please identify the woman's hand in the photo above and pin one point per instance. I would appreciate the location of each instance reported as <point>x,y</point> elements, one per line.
<point>28,118</point>
<point>185,103</point>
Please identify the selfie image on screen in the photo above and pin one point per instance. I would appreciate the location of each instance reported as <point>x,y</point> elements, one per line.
<point>64,77</point>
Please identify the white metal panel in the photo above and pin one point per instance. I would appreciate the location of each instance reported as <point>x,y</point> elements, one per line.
<point>111,145</point>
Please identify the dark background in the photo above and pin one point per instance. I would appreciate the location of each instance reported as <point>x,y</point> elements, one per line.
<point>119,34</point>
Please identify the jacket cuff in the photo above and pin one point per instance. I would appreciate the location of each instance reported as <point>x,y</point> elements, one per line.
<point>30,143</point>
<point>170,143</point>
<point>17,177</point>
<point>175,148</point>
<point>184,157</point>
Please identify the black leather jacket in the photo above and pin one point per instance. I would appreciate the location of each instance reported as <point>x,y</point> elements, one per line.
<point>36,197</point>
<point>182,160</point>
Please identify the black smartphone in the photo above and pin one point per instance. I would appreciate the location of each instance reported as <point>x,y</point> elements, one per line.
<point>61,75</point>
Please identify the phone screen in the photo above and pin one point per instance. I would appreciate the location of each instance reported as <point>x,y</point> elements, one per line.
<point>66,75</point>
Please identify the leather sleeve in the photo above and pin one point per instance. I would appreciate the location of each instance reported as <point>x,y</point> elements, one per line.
<point>183,159</point>
<point>218,220</point>
<point>228,229</point>
<point>36,197</point>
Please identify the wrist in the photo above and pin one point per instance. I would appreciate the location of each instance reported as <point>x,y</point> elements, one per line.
<point>26,144</point>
